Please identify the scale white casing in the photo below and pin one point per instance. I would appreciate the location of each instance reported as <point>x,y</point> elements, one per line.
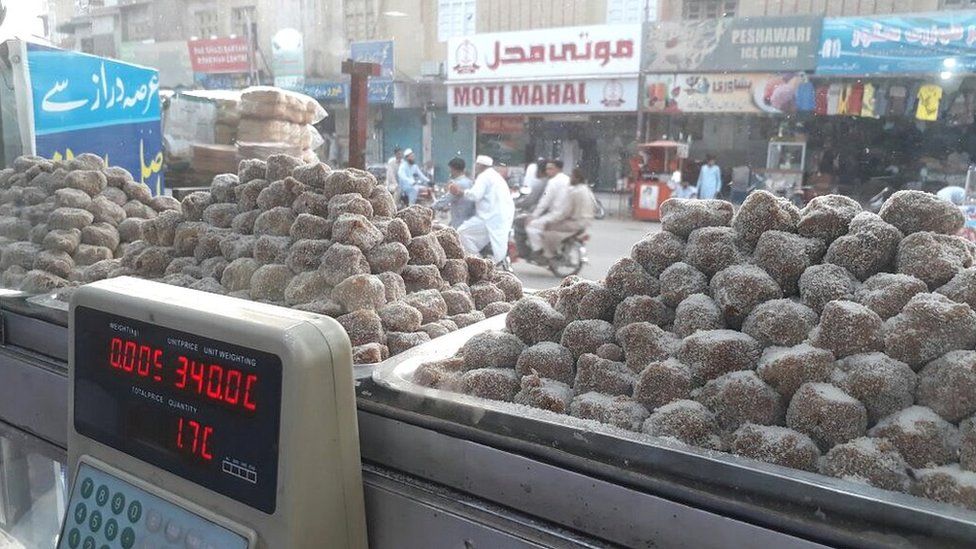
<point>319,483</point>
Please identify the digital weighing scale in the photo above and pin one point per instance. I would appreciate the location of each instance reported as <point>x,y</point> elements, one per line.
<point>203,421</point>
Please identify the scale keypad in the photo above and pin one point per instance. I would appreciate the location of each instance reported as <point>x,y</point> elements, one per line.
<point>106,512</point>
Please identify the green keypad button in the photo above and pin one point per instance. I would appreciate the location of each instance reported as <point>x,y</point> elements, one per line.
<point>95,521</point>
<point>74,538</point>
<point>87,487</point>
<point>89,543</point>
<point>101,496</point>
<point>81,513</point>
<point>118,502</point>
<point>128,538</point>
<point>111,529</point>
<point>135,512</point>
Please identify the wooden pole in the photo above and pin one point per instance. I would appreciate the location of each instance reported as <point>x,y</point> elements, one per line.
<point>359,74</point>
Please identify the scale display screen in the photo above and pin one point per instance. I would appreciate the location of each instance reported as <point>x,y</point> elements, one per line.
<point>205,410</point>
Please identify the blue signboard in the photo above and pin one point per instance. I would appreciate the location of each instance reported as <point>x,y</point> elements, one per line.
<point>377,51</point>
<point>327,92</point>
<point>87,104</point>
<point>380,91</point>
<point>899,44</point>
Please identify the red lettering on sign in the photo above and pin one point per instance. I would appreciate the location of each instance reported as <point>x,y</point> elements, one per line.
<point>462,96</point>
<point>477,96</point>
<point>520,95</point>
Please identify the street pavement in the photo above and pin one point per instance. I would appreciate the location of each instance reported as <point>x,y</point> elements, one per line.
<point>610,239</point>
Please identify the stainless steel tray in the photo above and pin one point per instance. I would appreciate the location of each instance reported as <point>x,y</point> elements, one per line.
<point>808,502</point>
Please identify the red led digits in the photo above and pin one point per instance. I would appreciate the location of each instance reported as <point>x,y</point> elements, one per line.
<point>194,438</point>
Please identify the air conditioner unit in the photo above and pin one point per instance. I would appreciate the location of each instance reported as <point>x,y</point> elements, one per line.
<point>432,68</point>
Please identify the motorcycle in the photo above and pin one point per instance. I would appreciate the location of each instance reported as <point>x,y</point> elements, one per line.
<point>569,259</point>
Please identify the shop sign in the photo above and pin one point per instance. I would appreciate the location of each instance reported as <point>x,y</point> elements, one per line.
<point>899,44</point>
<point>327,92</point>
<point>746,44</point>
<point>501,124</point>
<point>599,50</point>
<point>597,95</point>
<point>374,51</point>
<point>288,58</point>
<point>721,93</point>
<point>81,103</point>
<point>380,91</point>
<point>219,55</point>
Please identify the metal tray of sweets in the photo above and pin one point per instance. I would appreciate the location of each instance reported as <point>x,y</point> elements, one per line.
<point>831,510</point>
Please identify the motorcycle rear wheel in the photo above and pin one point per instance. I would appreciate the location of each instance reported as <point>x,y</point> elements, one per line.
<point>569,261</point>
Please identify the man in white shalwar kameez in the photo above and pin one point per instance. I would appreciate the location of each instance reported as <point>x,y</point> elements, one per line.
<point>494,211</point>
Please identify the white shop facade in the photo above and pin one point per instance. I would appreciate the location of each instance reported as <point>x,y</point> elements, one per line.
<point>569,93</point>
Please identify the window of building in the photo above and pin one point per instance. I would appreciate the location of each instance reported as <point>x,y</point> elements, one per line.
<point>241,17</point>
<point>708,9</point>
<point>361,20</point>
<point>137,23</point>
<point>629,11</point>
<point>455,18</point>
<point>207,23</point>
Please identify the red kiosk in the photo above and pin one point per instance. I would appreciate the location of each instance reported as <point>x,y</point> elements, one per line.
<point>650,180</point>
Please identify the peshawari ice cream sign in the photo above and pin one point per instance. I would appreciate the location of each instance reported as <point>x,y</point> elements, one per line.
<point>565,96</point>
<point>588,52</point>
<point>747,44</point>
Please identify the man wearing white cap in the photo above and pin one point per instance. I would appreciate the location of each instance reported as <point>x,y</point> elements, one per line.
<point>494,211</point>
<point>408,175</point>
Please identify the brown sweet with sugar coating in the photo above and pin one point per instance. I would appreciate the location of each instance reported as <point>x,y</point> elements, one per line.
<point>251,169</point>
<point>275,222</point>
<point>356,230</point>
<point>787,368</point>
<point>426,250</point>
<point>887,294</point>
<point>243,223</point>
<point>883,384</point>
<point>314,203</point>
<point>921,436</point>
<point>511,286</point>
<point>72,198</point>
<point>450,242</point>
<point>934,258</point>
<point>61,218</point>
<point>738,289</point>
<point>603,376</point>
<point>848,328</point>
<point>777,445</point>
<point>361,291</point>
<point>660,383</point>
<point>152,261</point>
<point>307,287</point>
<point>679,281</point>
<point>658,251</point>
<point>394,230</point>
<point>235,246</point>
<point>271,249</point>
<point>421,277</point>
<point>618,411</point>
<point>496,308</point>
<point>820,284</point>
<point>399,342</point>
<point>187,236</point>
<point>627,278</point>
<point>585,299</point>
<point>585,336</point>
<point>454,271</point>
<point>682,216</point>
<point>947,385</point>
<point>485,293</point>
<point>418,219</point>
<point>223,187</point>
<point>86,254</point>
<point>712,353</point>
<point>391,256</point>
<point>458,302</point>
<point>312,175</point>
<point>490,383</point>
<point>928,327</point>
<point>492,349</point>
<point>21,254</point>
<point>55,262</point>
<point>686,421</point>
<point>532,319</point>
<point>310,227</point>
<point>306,255</point>
<point>383,202</point>
<point>784,256</point>
<point>442,374</point>
<point>62,240</point>
<point>400,317</point>
<point>134,208</point>
<point>948,484</point>
<point>697,312</point>
<point>237,274</point>
<point>194,205</point>
<point>916,211</point>
<point>549,360</point>
<point>644,343</point>
<point>220,215</point>
<point>467,319</point>
<point>763,211</point>
<point>39,282</point>
<point>712,249</point>
<point>363,326</point>
<point>545,394</point>
<point>341,261</point>
<point>394,286</point>
<point>869,248</point>
<point>827,414</point>
<point>246,195</point>
<point>269,282</point>
<point>370,353</point>
<point>827,217</point>
<point>90,181</point>
<point>780,322</point>
<point>101,234</point>
<point>325,307</point>
<point>431,305</point>
<point>741,397</point>
<point>872,461</point>
<point>479,269</point>
<point>967,444</point>
<point>280,166</point>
